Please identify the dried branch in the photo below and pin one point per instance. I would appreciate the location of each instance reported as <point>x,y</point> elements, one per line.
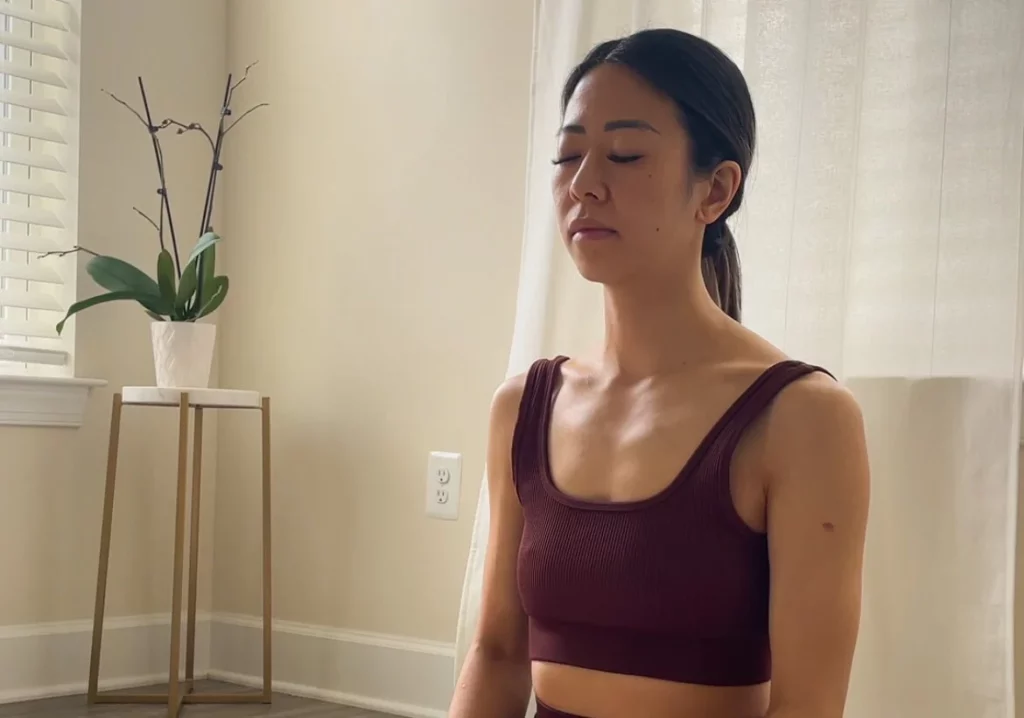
<point>183,128</point>
<point>66,252</point>
<point>164,198</point>
<point>232,88</point>
<point>242,116</point>
<point>147,218</point>
<point>215,165</point>
<point>130,108</point>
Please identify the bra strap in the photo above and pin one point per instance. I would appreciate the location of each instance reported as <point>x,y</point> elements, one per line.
<point>541,382</point>
<point>755,400</point>
<point>749,408</point>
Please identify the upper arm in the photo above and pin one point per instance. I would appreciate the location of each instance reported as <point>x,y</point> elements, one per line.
<point>817,519</point>
<point>502,628</point>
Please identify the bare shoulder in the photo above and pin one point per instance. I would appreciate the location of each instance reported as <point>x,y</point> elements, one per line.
<point>509,395</point>
<point>505,405</point>
<point>815,404</point>
<point>815,433</point>
<point>506,400</point>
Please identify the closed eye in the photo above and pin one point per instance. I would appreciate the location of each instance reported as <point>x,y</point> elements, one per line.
<point>618,159</point>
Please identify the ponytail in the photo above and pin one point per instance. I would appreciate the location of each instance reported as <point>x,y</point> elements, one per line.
<point>720,266</point>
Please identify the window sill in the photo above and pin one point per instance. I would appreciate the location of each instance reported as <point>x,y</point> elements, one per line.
<point>58,402</point>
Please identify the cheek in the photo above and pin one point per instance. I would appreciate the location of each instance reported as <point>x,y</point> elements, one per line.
<point>560,182</point>
<point>648,198</point>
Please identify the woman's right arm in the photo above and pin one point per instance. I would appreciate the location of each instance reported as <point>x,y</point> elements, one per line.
<point>495,679</point>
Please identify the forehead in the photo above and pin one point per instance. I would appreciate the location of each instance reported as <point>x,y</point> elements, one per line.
<point>610,92</point>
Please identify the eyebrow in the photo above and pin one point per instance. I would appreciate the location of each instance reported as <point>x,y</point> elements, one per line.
<point>611,126</point>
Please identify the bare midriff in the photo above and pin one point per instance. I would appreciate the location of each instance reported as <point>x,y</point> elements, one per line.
<point>596,694</point>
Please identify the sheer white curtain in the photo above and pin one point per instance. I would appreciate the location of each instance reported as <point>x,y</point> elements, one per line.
<point>881,238</point>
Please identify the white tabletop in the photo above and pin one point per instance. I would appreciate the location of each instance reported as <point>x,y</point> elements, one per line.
<point>198,397</point>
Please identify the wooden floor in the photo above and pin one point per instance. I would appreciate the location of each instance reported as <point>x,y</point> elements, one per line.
<point>282,707</point>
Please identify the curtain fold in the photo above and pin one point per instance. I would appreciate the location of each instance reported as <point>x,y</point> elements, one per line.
<point>880,237</point>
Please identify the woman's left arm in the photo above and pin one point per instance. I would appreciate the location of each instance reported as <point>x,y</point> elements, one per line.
<point>817,499</point>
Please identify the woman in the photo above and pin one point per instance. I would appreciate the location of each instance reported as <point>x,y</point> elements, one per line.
<point>639,498</point>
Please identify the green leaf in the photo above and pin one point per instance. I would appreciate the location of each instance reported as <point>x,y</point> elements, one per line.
<point>155,305</point>
<point>205,242</point>
<point>165,275</point>
<point>186,288</point>
<point>204,257</point>
<point>207,266</point>
<point>218,291</point>
<point>116,275</point>
<point>99,299</point>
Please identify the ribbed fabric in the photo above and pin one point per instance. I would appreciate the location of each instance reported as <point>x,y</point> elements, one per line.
<point>673,587</point>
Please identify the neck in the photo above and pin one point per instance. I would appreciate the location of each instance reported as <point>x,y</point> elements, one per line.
<point>655,329</point>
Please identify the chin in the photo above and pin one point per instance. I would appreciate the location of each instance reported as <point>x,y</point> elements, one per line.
<point>600,272</point>
<point>602,262</point>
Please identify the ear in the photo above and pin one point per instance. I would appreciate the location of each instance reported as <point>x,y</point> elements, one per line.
<point>723,184</point>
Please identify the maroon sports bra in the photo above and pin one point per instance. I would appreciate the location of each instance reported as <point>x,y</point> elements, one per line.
<point>674,586</point>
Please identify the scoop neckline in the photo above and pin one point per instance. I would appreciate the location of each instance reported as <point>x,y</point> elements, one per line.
<point>547,476</point>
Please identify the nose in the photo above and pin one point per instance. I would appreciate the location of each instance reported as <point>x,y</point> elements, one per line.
<point>588,183</point>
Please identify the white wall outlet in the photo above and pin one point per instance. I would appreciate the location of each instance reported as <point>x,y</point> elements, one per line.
<point>444,479</point>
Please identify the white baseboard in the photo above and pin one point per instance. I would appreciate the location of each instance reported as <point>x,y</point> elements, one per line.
<point>402,676</point>
<point>44,660</point>
<point>329,696</point>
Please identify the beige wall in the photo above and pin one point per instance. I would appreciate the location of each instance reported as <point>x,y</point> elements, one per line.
<point>1019,612</point>
<point>53,478</point>
<point>374,215</point>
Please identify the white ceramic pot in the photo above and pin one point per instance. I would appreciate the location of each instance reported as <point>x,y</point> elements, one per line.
<point>183,353</point>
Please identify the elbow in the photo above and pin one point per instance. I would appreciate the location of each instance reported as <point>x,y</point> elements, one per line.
<point>500,653</point>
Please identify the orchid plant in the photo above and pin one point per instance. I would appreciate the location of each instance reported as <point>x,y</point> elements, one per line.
<point>179,293</point>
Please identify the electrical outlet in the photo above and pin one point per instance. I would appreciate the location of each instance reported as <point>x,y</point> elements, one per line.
<point>444,477</point>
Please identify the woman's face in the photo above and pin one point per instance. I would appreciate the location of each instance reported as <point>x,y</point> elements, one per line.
<point>625,204</point>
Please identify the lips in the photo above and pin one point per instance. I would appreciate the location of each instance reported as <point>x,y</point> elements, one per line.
<point>584,229</point>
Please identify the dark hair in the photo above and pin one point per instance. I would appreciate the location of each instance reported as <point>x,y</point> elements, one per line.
<point>716,111</point>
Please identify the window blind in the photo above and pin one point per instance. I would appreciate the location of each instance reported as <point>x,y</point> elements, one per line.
<point>39,71</point>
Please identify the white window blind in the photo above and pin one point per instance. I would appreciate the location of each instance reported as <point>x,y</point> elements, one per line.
<point>39,72</point>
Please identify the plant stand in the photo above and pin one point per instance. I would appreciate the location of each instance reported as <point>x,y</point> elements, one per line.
<point>180,691</point>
